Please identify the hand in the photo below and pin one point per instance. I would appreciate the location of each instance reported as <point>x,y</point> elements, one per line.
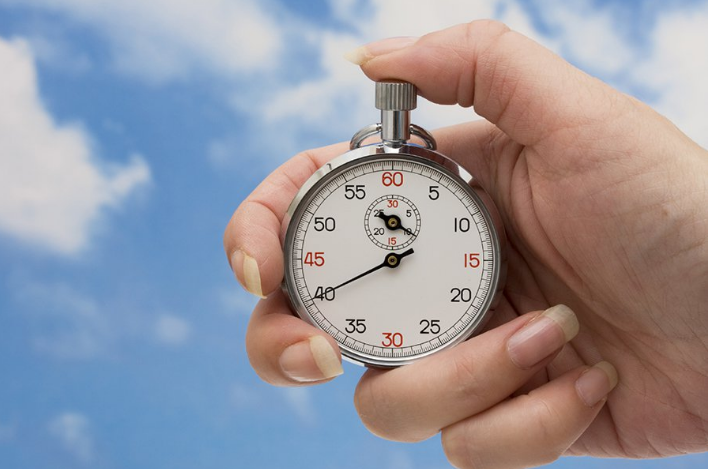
<point>605,204</point>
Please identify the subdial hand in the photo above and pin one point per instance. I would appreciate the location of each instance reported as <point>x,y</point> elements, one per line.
<point>392,260</point>
<point>393,222</point>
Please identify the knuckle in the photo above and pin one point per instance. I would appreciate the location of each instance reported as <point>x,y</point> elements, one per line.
<point>381,411</point>
<point>293,174</point>
<point>477,37</point>
<point>453,447</point>
<point>262,352</point>
<point>466,377</point>
<point>486,27</point>
<point>484,36</point>
<point>255,354</point>
<point>308,158</point>
<point>550,429</point>
<point>371,403</point>
<point>458,448</point>
<point>548,456</point>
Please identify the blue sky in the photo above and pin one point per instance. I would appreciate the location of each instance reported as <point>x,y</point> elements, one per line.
<point>130,131</point>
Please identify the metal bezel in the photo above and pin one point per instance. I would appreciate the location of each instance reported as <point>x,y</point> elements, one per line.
<point>424,156</point>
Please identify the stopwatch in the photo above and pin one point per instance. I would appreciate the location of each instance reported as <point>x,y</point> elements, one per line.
<point>392,248</point>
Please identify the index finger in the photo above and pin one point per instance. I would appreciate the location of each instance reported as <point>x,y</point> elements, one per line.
<point>533,95</point>
<point>252,237</point>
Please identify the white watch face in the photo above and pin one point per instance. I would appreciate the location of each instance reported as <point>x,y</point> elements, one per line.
<point>393,256</point>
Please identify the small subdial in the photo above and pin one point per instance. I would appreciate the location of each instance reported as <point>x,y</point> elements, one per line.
<point>392,222</point>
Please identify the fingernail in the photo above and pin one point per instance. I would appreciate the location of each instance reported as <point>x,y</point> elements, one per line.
<point>247,273</point>
<point>542,336</point>
<point>363,54</point>
<point>310,360</point>
<point>596,383</point>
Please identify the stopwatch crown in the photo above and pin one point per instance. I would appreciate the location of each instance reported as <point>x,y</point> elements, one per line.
<point>395,95</point>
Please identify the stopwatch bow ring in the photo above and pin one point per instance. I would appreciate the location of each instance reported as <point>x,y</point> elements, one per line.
<point>395,100</point>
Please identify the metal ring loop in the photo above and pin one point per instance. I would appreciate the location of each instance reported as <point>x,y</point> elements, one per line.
<point>424,135</point>
<point>374,129</point>
<point>363,134</point>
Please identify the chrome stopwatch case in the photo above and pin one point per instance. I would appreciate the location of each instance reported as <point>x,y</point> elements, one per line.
<point>392,248</point>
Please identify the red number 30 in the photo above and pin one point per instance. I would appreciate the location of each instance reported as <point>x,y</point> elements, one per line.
<point>392,339</point>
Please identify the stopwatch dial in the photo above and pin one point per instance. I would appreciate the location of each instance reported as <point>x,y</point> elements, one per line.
<point>392,222</point>
<point>387,303</point>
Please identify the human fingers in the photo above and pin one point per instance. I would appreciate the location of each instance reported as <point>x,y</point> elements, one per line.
<point>532,429</point>
<point>286,351</point>
<point>252,237</point>
<point>526,90</point>
<point>283,349</point>
<point>414,402</point>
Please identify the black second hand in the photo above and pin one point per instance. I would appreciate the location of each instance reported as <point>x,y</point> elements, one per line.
<point>385,263</point>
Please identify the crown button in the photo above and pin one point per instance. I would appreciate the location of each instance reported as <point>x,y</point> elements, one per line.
<point>392,95</point>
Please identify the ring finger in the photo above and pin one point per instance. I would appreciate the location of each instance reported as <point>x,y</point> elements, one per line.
<point>414,402</point>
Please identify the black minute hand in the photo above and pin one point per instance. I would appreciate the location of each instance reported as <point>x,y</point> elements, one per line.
<point>393,222</point>
<point>392,260</point>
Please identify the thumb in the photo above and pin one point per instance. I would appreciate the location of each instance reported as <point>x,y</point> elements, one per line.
<point>522,87</point>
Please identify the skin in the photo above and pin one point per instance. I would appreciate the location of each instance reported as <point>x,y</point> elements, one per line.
<point>605,204</point>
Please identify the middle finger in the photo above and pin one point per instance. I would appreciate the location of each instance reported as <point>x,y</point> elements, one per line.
<point>414,402</point>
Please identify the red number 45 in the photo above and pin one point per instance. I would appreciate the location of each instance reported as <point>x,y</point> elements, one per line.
<point>314,258</point>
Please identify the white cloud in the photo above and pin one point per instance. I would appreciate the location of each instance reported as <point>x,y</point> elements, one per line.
<point>65,323</point>
<point>53,50</point>
<point>254,398</point>
<point>677,68</point>
<point>234,300</point>
<point>72,431</point>
<point>339,99</point>
<point>669,64</point>
<point>52,188</point>
<point>245,397</point>
<point>172,330</point>
<point>387,18</point>
<point>166,39</point>
<point>592,36</point>
<point>398,458</point>
<point>300,402</point>
<point>517,18</point>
